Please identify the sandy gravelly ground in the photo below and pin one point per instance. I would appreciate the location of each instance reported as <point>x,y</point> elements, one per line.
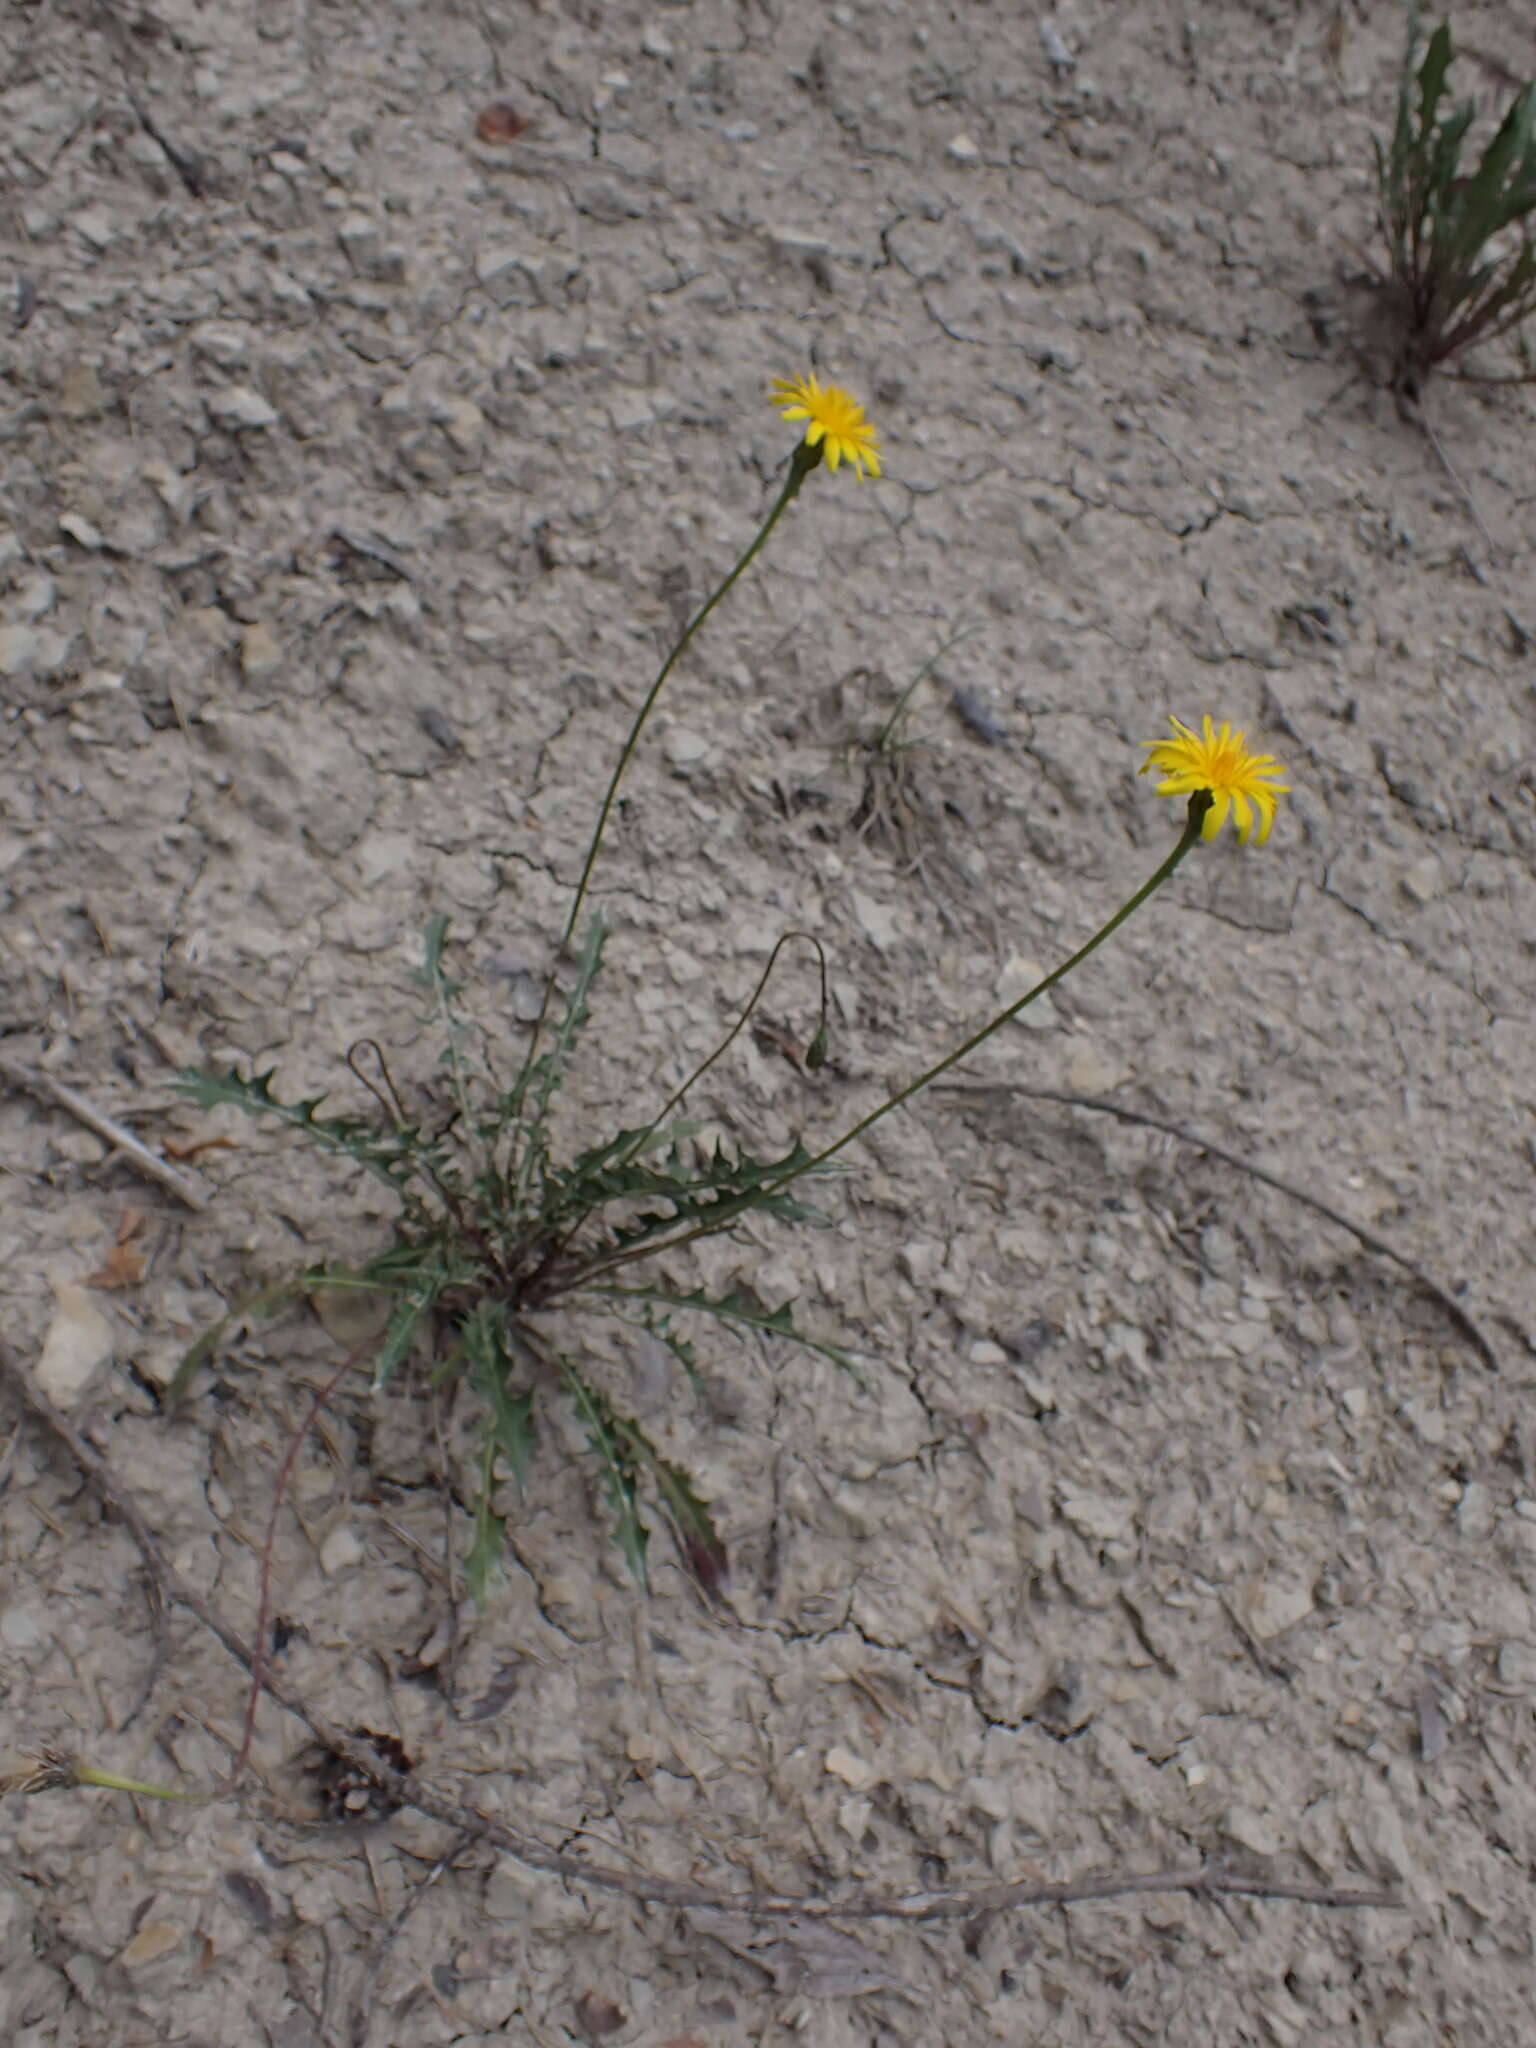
<point>355,473</point>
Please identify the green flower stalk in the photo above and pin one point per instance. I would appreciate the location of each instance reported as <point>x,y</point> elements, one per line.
<point>1220,778</point>
<point>836,431</point>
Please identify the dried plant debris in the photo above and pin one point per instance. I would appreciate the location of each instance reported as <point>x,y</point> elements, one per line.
<point>344,1792</point>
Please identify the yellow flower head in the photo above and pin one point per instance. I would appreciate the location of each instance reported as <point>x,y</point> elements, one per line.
<point>835,419</point>
<point>1217,759</point>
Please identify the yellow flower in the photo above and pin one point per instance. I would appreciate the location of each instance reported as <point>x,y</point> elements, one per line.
<point>1217,759</point>
<point>835,420</point>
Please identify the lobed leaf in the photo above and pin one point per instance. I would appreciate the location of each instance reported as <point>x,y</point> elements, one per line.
<point>614,1445</point>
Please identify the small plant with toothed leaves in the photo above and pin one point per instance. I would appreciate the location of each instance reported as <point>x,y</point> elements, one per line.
<point>1463,266</point>
<point>496,1229</point>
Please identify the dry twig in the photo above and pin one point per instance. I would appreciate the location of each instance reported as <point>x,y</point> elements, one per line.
<point>1464,1322</point>
<point>1208,1880</point>
<point>186,1187</point>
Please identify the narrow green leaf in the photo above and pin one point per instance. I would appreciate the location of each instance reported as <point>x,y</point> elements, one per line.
<point>738,1308</point>
<point>1437,61</point>
<point>483,1567</point>
<point>266,1301</point>
<point>614,1448</point>
<point>692,1525</point>
<point>491,1367</point>
<point>405,1319</point>
<point>391,1155</point>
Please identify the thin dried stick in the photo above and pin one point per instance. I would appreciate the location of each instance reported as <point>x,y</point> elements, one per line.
<point>264,1603</point>
<point>160,1650</point>
<point>1464,1322</point>
<point>186,1187</point>
<point>1209,1880</point>
<point>1458,483</point>
<point>379,1954</point>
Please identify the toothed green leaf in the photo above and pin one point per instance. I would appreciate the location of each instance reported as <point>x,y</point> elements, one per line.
<point>737,1307</point>
<point>615,1449</point>
<point>491,1367</point>
<point>391,1155</point>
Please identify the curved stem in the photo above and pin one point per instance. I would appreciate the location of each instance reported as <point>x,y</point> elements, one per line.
<point>804,460</point>
<point>888,730</point>
<point>736,1030</point>
<point>1199,805</point>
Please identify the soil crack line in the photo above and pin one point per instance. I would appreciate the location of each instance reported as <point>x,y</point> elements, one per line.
<point>1209,1879</point>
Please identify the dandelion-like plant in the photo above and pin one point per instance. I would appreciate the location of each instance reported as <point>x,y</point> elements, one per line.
<point>1463,262</point>
<point>500,1243</point>
<point>1216,760</point>
<point>835,422</point>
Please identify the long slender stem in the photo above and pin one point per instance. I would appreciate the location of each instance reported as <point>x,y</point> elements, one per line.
<point>889,729</point>
<point>1199,805</point>
<point>735,1032</point>
<point>802,462</point>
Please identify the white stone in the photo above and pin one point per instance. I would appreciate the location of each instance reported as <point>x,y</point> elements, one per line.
<point>81,531</point>
<point>1096,1516</point>
<point>221,344</point>
<point>876,920</point>
<point>1246,1338</point>
<point>18,649</point>
<point>96,227</point>
<point>1474,1513</point>
<point>20,1630</point>
<point>357,234</point>
<point>1250,1830</point>
<point>853,1770</point>
<point>261,654</point>
<point>629,410</point>
<point>796,242</point>
<point>78,1344</point>
<point>1089,1071</point>
<point>342,1549</point>
<point>383,854</point>
<point>1426,1421</point>
<point>920,1261</point>
<point>241,409</point>
<point>1517,1666</point>
<point>1356,1403</point>
<point>685,749</point>
<point>464,424</point>
<point>1424,880</point>
<point>35,595</point>
<point>1016,978</point>
<point>963,149</point>
<point>1276,1604</point>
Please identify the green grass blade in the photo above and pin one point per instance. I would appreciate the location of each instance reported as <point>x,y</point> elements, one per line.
<point>483,1567</point>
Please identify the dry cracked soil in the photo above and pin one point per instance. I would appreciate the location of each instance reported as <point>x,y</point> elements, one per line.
<point>361,455</point>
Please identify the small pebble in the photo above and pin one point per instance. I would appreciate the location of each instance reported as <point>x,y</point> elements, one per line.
<point>500,123</point>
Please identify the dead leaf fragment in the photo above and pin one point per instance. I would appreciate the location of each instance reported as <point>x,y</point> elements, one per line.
<point>184,1152</point>
<point>125,1264</point>
<point>154,1939</point>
